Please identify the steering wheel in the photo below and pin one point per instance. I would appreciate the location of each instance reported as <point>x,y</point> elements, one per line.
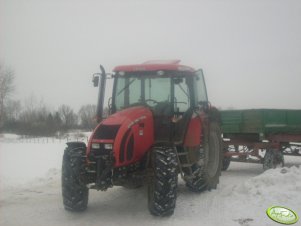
<point>180,102</point>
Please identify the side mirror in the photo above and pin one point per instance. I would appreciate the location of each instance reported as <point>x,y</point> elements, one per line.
<point>204,105</point>
<point>95,80</point>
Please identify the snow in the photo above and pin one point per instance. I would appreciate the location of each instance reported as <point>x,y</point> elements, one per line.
<point>8,137</point>
<point>30,193</point>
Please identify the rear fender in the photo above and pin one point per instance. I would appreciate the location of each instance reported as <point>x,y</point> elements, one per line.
<point>194,132</point>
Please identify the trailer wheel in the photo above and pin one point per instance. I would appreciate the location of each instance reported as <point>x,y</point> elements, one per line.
<point>210,170</point>
<point>74,190</point>
<point>226,161</point>
<point>273,159</point>
<point>163,181</point>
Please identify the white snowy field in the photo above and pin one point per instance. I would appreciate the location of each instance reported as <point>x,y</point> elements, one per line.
<point>30,194</point>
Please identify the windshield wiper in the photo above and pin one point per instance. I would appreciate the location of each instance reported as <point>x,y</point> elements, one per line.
<point>126,87</point>
<point>183,90</point>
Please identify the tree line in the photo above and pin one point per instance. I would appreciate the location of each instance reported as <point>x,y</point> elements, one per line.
<point>40,121</point>
<point>33,117</point>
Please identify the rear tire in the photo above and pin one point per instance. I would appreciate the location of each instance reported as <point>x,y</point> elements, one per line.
<point>273,159</point>
<point>74,190</point>
<point>208,172</point>
<point>163,181</point>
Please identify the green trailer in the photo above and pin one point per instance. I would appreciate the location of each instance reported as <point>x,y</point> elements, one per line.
<point>261,135</point>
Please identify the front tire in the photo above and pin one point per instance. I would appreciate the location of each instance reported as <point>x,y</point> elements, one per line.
<point>163,181</point>
<point>74,190</point>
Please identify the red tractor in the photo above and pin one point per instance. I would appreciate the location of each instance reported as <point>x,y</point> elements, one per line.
<point>160,124</point>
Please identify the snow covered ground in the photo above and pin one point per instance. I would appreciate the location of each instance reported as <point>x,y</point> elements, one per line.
<point>30,193</point>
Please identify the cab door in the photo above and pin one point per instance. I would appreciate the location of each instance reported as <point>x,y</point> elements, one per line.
<point>198,119</point>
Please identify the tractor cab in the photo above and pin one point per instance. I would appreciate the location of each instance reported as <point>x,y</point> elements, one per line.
<point>167,92</point>
<point>171,91</point>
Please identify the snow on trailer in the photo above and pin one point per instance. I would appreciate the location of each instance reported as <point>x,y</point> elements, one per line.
<point>261,136</point>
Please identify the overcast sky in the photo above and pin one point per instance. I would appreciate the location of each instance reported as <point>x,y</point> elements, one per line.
<point>250,50</point>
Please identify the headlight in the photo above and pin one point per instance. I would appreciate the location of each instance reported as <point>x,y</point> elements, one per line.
<point>95,145</point>
<point>108,146</point>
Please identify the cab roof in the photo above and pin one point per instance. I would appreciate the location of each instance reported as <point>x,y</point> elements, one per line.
<point>171,65</point>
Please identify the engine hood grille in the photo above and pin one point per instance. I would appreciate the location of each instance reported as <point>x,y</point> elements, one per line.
<point>106,132</point>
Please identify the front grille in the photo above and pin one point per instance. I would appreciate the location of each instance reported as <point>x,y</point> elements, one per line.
<point>100,152</point>
<point>106,132</point>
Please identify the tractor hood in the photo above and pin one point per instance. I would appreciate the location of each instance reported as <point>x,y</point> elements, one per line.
<point>129,132</point>
<point>127,116</point>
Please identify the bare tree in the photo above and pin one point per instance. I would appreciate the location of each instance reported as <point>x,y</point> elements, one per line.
<point>6,88</point>
<point>68,117</point>
<point>13,109</point>
<point>87,116</point>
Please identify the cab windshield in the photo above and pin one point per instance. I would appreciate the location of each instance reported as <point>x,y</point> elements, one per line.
<point>170,92</point>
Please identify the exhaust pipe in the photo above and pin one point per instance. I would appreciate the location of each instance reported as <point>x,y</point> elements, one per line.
<point>101,93</point>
